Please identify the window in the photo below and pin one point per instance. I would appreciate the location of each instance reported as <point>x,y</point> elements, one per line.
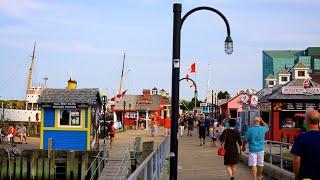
<point>70,117</point>
<point>284,79</point>
<point>301,73</point>
<point>291,119</point>
<point>271,83</point>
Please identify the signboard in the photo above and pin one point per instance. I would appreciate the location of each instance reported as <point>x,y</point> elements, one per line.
<point>300,90</point>
<point>64,105</point>
<point>203,104</point>
<point>254,100</point>
<point>294,106</point>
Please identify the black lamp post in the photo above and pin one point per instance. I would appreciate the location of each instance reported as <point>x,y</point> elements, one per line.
<point>195,88</point>
<point>104,100</point>
<point>177,25</point>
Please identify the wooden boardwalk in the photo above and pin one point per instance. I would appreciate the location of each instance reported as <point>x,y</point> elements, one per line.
<point>202,162</point>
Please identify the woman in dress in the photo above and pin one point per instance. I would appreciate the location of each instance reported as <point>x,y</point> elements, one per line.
<point>231,138</point>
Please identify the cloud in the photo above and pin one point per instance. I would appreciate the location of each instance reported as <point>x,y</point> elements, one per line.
<point>22,9</point>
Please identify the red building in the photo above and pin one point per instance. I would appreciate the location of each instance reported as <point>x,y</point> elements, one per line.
<point>232,107</point>
<point>287,102</point>
<point>133,107</point>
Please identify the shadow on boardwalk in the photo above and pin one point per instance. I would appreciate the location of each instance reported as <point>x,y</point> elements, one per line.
<point>202,162</point>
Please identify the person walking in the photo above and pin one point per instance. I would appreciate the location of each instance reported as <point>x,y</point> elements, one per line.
<point>112,132</point>
<point>202,129</point>
<point>190,125</point>
<point>207,123</point>
<point>167,125</point>
<point>231,139</point>
<point>154,125</point>
<point>306,149</point>
<point>182,123</point>
<point>255,137</point>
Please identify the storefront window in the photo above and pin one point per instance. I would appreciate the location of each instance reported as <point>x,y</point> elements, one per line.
<point>70,117</point>
<point>291,119</point>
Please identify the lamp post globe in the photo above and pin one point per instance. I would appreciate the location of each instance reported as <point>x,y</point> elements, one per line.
<point>228,45</point>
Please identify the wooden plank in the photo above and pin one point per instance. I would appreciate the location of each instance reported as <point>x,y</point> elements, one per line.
<point>11,169</point>
<point>33,165</point>
<point>17,173</point>
<point>25,168</point>
<point>69,165</point>
<point>4,168</point>
<point>40,168</point>
<point>46,170</point>
<point>52,165</point>
<point>84,163</point>
<point>75,168</point>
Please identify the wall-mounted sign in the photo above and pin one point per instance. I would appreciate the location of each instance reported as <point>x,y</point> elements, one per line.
<point>203,104</point>
<point>65,105</point>
<point>300,90</point>
<point>294,106</point>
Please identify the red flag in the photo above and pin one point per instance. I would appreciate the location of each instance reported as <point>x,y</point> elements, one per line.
<point>193,68</point>
<point>119,96</point>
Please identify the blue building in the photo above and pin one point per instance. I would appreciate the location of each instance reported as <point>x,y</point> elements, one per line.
<point>275,60</point>
<point>70,118</point>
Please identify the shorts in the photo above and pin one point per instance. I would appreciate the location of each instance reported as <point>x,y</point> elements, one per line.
<point>256,158</point>
<point>213,138</point>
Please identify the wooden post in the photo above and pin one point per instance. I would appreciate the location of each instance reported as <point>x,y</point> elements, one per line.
<point>25,168</point>
<point>33,165</point>
<point>40,168</point>
<point>84,163</point>
<point>4,168</point>
<point>75,168</point>
<point>18,168</point>
<point>70,164</point>
<point>11,172</point>
<point>49,147</point>
<point>52,165</point>
<point>46,167</point>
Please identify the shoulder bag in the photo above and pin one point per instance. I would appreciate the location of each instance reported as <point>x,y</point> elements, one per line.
<point>222,150</point>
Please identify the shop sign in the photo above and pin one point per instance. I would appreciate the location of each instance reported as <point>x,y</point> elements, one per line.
<point>300,90</point>
<point>203,104</point>
<point>294,106</point>
<point>65,105</point>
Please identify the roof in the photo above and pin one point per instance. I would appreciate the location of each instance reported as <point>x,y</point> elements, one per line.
<point>283,71</point>
<point>86,96</point>
<point>284,53</point>
<point>229,100</point>
<point>313,51</point>
<point>301,65</point>
<point>133,101</point>
<point>277,94</point>
<point>270,76</point>
<point>154,89</point>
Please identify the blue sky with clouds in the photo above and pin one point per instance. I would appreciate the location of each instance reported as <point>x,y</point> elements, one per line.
<point>87,39</point>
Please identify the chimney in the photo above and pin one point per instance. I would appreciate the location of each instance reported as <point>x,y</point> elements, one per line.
<point>72,84</point>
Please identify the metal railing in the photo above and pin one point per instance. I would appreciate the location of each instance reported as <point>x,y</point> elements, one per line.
<point>100,159</point>
<point>124,165</point>
<point>154,163</point>
<point>273,151</point>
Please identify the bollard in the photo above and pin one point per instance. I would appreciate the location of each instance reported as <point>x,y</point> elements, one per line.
<point>133,161</point>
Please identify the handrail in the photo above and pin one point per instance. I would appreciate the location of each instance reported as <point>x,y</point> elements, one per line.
<point>102,149</point>
<point>156,160</point>
<point>122,163</point>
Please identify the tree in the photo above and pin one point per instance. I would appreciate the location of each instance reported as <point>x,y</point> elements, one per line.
<point>223,95</point>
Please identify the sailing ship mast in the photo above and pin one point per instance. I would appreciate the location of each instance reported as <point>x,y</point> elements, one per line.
<point>29,80</point>
<point>121,78</point>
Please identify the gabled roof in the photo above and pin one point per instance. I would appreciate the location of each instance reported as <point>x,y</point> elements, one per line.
<point>270,76</point>
<point>301,65</point>
<point>154,89</point>
<point>283,71</point>
<point>86,96</point>
<point>134,105</point>
<point>296,82</point>
<point>284,53</point>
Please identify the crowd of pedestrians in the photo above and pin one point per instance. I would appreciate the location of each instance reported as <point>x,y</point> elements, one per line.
<point>12,131</point>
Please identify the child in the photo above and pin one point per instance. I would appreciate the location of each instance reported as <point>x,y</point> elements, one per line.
<point>214,137</point>
<point>112,132</point>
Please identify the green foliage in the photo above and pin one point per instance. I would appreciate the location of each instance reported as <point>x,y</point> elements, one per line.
<point>223,95</point>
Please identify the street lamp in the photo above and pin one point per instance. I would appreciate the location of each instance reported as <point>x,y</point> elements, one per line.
<point>177,25</point>
<point>195,89</point>
<point>104,100</point>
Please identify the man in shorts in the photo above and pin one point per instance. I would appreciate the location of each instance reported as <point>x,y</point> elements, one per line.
<point>255,137</point>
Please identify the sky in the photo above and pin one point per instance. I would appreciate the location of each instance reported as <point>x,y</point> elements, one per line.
<point>87,39</point>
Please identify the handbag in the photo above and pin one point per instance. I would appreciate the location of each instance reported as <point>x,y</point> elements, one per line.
<point>222,150</point>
